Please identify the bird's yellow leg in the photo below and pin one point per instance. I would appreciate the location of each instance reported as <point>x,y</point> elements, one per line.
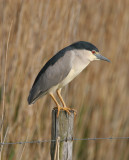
<point>64,105</point>
<point>57,104</point>
<point>60,97</point>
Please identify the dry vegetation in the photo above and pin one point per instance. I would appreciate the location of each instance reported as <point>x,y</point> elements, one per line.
<point>100,93</point>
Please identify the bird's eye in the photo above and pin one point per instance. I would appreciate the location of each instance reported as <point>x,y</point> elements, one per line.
<point>93,51</point>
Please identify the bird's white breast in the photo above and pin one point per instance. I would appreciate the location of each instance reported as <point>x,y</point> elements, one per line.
<point>79,62</point>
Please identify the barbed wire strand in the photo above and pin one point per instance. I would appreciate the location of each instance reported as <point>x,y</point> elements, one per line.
<point>68,139</point>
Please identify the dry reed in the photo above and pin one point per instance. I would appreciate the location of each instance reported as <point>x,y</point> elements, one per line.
<point>99,94</point>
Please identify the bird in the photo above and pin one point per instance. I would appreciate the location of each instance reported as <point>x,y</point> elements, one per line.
<point>61,69</point>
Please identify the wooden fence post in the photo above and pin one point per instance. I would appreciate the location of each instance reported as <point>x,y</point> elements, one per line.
<point>62,127</point>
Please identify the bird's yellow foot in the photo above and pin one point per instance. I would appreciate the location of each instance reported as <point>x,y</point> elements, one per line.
<point>68,110</point>
<point>65,109</point>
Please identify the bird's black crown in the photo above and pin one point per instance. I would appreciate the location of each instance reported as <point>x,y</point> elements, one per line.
<point>84,45</point>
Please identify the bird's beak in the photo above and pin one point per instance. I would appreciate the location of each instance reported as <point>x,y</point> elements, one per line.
<point>100,57</point>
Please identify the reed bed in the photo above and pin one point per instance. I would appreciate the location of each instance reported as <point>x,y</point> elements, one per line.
<point>99,94</point>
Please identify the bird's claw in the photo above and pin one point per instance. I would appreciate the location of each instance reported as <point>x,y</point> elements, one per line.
<point>65,109</point>
<point>75,112</point>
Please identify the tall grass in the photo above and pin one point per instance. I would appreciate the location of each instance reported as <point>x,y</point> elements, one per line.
<point>99,94</point>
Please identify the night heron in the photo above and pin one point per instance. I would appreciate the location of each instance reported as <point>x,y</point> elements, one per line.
<point>61,69</point>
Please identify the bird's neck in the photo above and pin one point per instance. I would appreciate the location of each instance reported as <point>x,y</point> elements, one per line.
<point>80,61</point>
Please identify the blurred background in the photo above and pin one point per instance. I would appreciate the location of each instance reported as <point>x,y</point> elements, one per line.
<point>100,94</point>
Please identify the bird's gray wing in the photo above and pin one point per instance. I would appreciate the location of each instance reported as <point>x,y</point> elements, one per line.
<point>54,71</point>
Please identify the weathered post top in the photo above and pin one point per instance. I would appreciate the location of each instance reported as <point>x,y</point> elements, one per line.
<point>62,127</point>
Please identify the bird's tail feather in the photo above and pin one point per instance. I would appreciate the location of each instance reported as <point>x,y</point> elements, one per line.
<point>34,95</point>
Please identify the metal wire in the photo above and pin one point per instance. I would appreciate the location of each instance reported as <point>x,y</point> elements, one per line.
<point>69,139</point>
